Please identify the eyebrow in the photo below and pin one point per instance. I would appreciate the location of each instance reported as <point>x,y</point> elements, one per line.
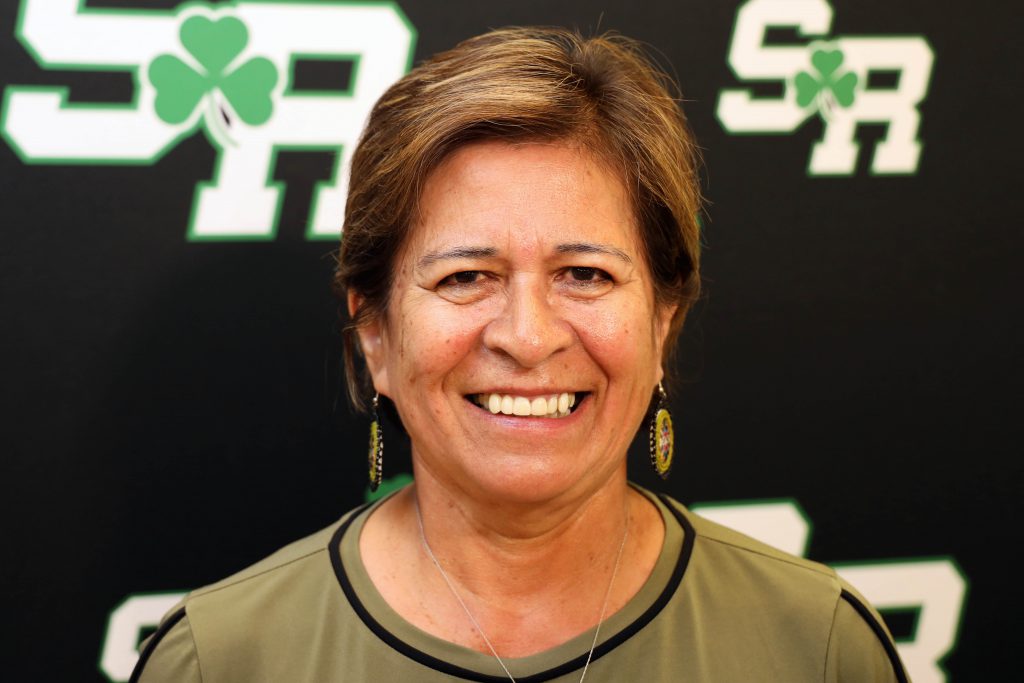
<point>433,257</point>
<point>590,248</point>
<point>456,253</point>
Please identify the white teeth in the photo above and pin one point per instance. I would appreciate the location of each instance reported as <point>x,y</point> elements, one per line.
<point>552,405</point>
<point>539,406</point>
<point>521,406</point>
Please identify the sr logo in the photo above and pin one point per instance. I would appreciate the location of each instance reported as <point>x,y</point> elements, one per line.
<point>831,77</point>
<point>228,69</point>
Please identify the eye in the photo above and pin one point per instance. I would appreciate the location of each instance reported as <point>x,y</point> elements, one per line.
<point>581,274</point>
<point>463,277</point>
<point>585,282</point>
<point>467,286</point>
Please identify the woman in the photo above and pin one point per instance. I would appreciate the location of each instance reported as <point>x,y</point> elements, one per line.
<point>519,253</point>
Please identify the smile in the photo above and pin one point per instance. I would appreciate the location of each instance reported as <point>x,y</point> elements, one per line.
<point>552,405</point>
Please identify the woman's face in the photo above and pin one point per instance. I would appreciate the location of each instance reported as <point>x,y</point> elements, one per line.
<point>522,280</point>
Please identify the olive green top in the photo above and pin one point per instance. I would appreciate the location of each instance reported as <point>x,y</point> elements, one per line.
<point>718,607</point>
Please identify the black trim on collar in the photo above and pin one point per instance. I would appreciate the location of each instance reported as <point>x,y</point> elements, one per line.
<point>154,640</point>
<point>890,649</point>
<point>560,670</point>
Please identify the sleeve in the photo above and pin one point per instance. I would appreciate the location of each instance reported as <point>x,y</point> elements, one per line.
<point>169,654</point>
<point>860,648</point>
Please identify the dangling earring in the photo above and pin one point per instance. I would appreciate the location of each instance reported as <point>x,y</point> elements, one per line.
<point>376,459</point>
<point>662,438</point>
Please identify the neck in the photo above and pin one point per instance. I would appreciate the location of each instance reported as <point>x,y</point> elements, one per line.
<point>534,576</point>
<point>530,546</point>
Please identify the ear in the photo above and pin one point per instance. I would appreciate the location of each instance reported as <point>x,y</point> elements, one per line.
<point>662,325</point>
<point>373,344</point>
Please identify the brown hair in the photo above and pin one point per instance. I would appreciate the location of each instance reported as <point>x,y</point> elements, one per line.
<point>522,84</point>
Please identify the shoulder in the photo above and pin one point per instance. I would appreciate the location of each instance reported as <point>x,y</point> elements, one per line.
<point>861,647</point>
<point>282,565</point>
<point>792,597</point>
<point>169,654</point>
<point>749,562</point>
<point>263,608</point>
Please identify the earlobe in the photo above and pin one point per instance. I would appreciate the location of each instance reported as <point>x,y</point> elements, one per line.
<point>372,343</point>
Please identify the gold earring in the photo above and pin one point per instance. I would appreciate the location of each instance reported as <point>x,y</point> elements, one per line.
<point>376,458</point>
<point>662,437</point>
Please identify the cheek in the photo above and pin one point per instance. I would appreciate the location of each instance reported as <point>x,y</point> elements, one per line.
<point>618,335</point>
<point>434,337</point>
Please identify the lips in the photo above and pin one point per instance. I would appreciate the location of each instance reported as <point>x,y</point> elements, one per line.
<point>550,405</point>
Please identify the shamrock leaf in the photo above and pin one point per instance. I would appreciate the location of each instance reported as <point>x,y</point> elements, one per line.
<point>807,88</point>
<point>827,61</point>
<point>843,87</point>
<point>248,90</point>
<point>214,44</point>
<point>825,84</point>
<point>178,88</point>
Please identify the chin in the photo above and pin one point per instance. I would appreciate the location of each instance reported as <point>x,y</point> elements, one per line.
<point>531,479</point>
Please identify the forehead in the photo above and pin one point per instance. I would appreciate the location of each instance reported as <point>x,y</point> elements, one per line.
<point>521,198</point>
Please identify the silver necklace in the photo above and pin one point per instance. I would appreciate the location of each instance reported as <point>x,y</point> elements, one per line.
<point>476,624</point>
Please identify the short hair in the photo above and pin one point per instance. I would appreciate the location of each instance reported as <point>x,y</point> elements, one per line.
<point>523,84</point>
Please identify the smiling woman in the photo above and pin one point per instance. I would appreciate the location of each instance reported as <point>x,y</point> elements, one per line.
<point>524,279</point>
<point>520,251</point>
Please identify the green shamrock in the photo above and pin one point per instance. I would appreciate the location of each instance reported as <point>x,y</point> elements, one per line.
<point>214,44</point>
<point>827,82</point>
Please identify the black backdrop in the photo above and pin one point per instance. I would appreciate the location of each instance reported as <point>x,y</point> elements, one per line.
<point>172,409</point>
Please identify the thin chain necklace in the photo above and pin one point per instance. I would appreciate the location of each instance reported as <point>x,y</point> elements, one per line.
<point>476,624</point>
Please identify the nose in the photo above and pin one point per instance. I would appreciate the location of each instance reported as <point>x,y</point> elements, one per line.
<point>528,329</point>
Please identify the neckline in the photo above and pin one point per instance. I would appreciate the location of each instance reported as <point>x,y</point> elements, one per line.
<point>456,660</point>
